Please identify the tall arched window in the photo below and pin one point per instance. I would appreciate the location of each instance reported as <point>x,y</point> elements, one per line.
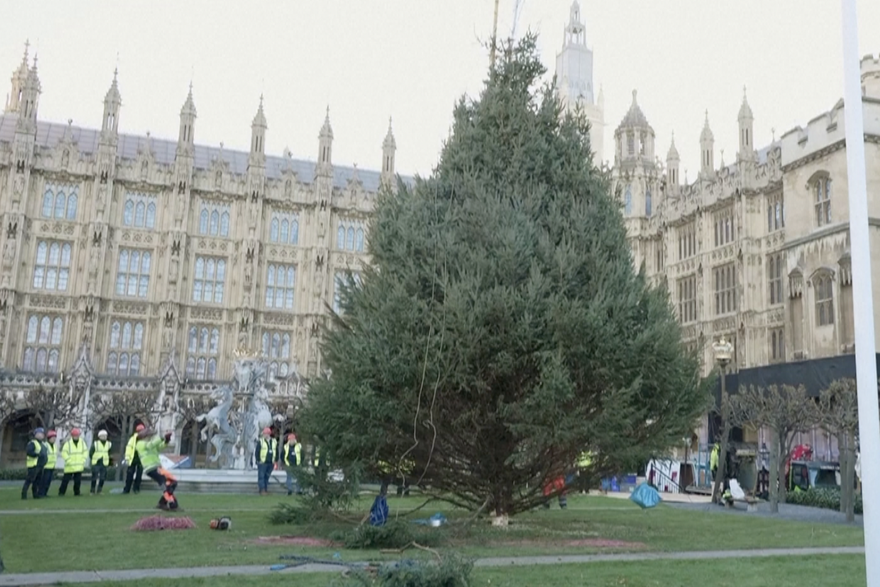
<point>273,230</point>
<point>359,240</point>
<point>648,203</point>
<point>71,207</point>
<point>224,224</point>
<point>151,216</point>
<point>48,203</point>
<point>60,205</point>
<point>140,214</point>
<point>203,222</point>
<point>340,238</point>
<point>628,201</point>
<point>294,232</point>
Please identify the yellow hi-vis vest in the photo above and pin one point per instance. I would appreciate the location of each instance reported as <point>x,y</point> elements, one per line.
<point>297,454</point>
<point>52,455</point>
<point>130,448</point>
<point>102,452</point>
<point>74,455</point>
<point>267,447</point>
<point>38,447</point>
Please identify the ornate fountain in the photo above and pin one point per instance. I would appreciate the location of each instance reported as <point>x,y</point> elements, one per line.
<point>236,425</point>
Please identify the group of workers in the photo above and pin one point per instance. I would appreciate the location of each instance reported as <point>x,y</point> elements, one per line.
<point>289,456</point>
<point>141,454</point>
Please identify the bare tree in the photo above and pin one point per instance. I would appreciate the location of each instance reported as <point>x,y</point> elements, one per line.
<point>57,406</point>
<point>839,407</point>
<point>786,411</point>
<point>189,408</point>
<point>7,407</point>
<point>123,409</point>
<point>724,409</point>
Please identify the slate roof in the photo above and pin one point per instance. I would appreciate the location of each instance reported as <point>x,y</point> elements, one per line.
<point>50,133</point>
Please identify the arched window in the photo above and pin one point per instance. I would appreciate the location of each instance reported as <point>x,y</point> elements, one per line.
<point>33,326</point>
<point>215,222</point>
<point>648,203</point>
<point>201,365</point>
<point>123,364</point>
<point>45,330</point>
<point>57,331</point>
<point>285,347</point>
<point>340,238</point>
<point>42,359</point>
<point>112,361</point>
<point>273,230</point>
<point>151,216</point>
<point>52,367</point>
<point>126,335</point>
<point>359,240</point>
<point>190,367</point>
<point>215,342</point>
<point>628,201</point>
<point>71,207</point>
<point>60,202</point>
<point>134,366</point>
<point>273,370</point>
<point>212,369</point>
<point>224,224</point>
<point>821,186</point>
<point>349,244</point>
<point>140,213</point>
<point>48,204</point>
<point>115,335</point>
<point>203,222</point>
<point>265,344</point>
<point>138,336</point>
<point>203,341</point>
<point>294,232</point>
<point>128,213</point>
<point>28,363</point>
<point>193,340</point>
<point>823,287</point>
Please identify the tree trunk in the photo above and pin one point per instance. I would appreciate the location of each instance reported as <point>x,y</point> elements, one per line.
<point>774,476</point>
<point>847,475</point>
<point>784,453</point>
<point>126,429</point>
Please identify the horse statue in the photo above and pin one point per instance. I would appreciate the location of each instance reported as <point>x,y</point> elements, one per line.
<point>250,374</point>
<point>217,419</point>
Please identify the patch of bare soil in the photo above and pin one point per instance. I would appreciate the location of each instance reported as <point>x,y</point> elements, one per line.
<point>295,541</point>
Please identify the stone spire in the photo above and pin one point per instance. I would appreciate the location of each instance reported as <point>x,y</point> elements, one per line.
<point>325,141</point>
<point>19,78</point>
<point>746,130</point>
<point>112,103</point>
<point>258,131</point>
<point>707,149</point>
<point>389,147</point>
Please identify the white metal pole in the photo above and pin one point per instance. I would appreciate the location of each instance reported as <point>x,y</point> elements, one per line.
<point>863,298</point>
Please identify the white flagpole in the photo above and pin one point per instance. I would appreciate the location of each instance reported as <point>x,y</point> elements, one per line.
<point>863,298</point>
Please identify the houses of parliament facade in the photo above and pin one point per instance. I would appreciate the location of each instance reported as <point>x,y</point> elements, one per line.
<point>134,263</point>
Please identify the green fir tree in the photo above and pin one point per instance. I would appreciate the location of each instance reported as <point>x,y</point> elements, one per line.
<point>501,329</point>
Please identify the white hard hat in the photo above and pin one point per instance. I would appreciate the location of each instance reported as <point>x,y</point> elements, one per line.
<point>102,434</point>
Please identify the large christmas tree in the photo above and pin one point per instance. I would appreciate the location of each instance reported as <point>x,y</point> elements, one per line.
<point>502,329</point>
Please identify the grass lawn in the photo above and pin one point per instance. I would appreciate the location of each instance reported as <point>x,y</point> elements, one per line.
<point>821,571</point>
<point>66,540</point>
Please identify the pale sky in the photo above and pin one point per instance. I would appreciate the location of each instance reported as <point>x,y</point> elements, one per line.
<point>412,59</point>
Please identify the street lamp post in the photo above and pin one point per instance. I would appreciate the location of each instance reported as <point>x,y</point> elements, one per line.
<point>723,352</point>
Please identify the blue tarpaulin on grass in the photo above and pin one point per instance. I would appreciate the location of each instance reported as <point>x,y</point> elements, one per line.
<point>646,496</point>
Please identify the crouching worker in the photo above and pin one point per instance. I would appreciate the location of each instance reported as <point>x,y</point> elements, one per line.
<point>149,445</point>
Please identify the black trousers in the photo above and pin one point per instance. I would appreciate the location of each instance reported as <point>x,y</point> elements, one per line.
<point>133,476</point>
<point>77,481</point>
<point>46,481</point>
<point>99,475</point>
<point>32,481</point>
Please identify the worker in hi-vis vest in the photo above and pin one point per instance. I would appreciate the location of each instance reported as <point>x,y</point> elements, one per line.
<point>132,459</point>
<point>36,460</point>
<point>51,461</point>
<point>100,455</point>
<point>291,458</point>
<point>74,453</point>
<point>265,455</point>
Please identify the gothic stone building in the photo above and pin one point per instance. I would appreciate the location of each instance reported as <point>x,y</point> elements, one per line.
<point>757,251</point>
<point>133,263</point>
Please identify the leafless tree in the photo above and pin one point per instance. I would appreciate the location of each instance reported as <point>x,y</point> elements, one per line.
<point>55,406</point>
<point>123,409</point>
<point>189,408</point>
<point>839,407</point>
<point>724,409</point>
<point>786,411</point>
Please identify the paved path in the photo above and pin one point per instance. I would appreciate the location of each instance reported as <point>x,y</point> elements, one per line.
<point>152,510</point>
<point>787,511</point>
<point>35,579</point>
